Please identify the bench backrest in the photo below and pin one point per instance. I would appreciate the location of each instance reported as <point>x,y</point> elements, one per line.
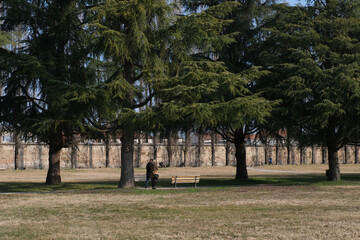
<point>185,179</point>
<point>140,178</point>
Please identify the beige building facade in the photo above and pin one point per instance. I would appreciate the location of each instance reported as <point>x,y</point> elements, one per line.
<point>93,155</point>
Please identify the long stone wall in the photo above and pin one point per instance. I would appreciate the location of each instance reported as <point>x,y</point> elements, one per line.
<point>35,156</point>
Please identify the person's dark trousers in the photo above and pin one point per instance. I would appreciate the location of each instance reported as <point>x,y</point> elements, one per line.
<point>148,178</point>
<point>154,180</point>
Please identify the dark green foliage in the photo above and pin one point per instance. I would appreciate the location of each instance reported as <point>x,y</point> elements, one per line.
<point>129,37</point>
<point>314,52</point>
<point>228,102</point>
<point>46,75</point>
<point>4,38</point>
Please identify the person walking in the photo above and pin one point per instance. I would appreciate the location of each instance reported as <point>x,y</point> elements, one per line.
<point>148,172</point>
<point>154,175</point>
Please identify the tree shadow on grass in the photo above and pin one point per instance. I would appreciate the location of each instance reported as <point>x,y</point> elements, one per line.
<point>290,180</point>
<point>42,187</point>
<point>307,180</point>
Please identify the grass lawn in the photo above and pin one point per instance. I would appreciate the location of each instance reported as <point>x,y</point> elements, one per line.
<point>278,202</point>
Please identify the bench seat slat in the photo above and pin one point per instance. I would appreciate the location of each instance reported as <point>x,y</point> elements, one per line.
<point>185,176</point>
<point>181,179</point>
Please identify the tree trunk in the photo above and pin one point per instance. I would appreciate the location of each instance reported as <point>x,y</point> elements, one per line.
<point>127,135</point>
<point>324,157</point>
<point>73,158</point>
<point>301,154</point>
<point>277,152</point>
<point>19,154</point>
<point>313,154</point>
<point>333,173</point>
<point>146,137</point>
<point>169,150</point>
<point>199,148</point>
<point>90,147</point>
<point>288,147</point>
<point>56,143</point>
<point>187,147</point>
<point>138,152</point>
<point>346,154</point>
<point>40,155</point>
<point>356,154</point>
<point>266,154</point>
<point>240,154</point>
<point>256,155</point>
<point>213,148</point>
<point>107,150</point>
<point>227,153</point>
<point>155,146</point>
<point>293,160</point>
<point>127,157</point>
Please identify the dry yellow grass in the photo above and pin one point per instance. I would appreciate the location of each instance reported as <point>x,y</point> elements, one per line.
<point>245,212</point>
<point>261,212</point>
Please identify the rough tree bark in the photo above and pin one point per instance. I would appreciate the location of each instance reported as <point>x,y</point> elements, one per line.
<point>127,157</point>
<point>18,158</point>
<point>127,179</point>
<point>56,143</point>
<point>333,173</point>
<point>240,154</point>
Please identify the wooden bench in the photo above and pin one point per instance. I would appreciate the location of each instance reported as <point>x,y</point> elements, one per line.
<point>185,179</point>
<point>140,178</point>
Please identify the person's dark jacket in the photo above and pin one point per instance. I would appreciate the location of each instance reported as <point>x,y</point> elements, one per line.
<point>149,168</point>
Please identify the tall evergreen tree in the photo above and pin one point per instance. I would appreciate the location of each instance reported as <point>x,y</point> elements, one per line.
<point>313,52</point>
<point>204,90</point>
<point>129,37</point>
<point>46,79</point>
<point>239,57</point>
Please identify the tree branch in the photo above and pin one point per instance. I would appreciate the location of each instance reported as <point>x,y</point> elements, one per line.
<point>141,104</point>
